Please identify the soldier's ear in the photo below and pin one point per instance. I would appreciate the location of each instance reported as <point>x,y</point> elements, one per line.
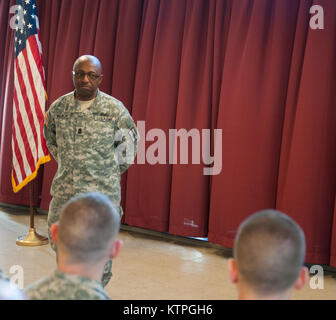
<point>54,232</point>
<point>114,251</point>
<point>302,278</point>
<point>233,270</point>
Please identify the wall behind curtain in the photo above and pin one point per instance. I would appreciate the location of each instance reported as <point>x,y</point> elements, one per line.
<point>253,69</point>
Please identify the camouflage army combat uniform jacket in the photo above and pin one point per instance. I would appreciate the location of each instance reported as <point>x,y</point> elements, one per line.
<point>65,286</point>
<point>92,147</point>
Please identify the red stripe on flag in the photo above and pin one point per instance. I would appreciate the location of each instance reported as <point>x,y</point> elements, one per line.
<point>17,151</point>
<point>27,106</point>
<point>44,143</point>
<point>20,162</point>
<point>39,64</point>
<point>37,57</point>
<point>32,84</point>
<point>29,154</point>
<point>37,106</point>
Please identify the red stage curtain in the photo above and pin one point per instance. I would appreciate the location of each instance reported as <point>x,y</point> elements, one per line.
<point>253,69</point>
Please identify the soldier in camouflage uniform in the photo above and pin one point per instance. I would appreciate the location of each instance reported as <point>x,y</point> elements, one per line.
<point>92,137</point>
<point>86,237</point>
<point>66,286</point>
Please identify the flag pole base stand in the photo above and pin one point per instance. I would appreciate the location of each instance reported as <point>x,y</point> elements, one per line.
<point>31,239</point>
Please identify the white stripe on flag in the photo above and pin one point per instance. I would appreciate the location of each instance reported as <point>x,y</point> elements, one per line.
<point>27,124</point>
<point>16,165</point>
<point>39,89</point>
<point>38,42</point>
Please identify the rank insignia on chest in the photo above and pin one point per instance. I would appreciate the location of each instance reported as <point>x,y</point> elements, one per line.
<point>79,131</point>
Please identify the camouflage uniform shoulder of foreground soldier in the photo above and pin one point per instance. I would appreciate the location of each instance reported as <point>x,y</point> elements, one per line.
<point>65,286</point>
<point>87,144</point>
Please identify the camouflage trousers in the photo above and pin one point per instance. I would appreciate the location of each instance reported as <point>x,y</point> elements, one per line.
<point>55,207</point>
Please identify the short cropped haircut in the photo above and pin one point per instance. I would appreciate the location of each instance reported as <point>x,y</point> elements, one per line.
<point>88,223</point>
<point>269,251</point>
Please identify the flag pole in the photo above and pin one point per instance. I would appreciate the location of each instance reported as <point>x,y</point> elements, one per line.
<point>32,238</point>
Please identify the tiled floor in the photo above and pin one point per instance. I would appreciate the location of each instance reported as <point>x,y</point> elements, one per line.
<point>148,267</point>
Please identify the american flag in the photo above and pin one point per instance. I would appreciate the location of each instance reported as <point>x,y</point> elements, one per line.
<point>28,144</point>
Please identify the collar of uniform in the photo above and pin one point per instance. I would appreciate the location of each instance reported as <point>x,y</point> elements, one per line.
<point>74,106</point>
<point>77,278</point>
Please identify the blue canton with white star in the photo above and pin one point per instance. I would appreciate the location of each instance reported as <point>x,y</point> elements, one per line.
<point>26,9</point>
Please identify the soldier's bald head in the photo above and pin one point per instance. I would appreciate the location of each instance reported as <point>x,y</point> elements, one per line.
<point>91,59</point>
